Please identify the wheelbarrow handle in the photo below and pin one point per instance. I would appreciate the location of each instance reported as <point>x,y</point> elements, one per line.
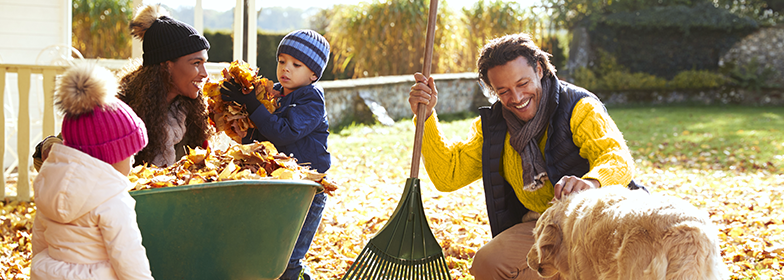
<point>420,123</point>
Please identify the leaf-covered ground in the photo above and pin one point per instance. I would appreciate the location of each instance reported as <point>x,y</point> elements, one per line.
<point>728,161</point>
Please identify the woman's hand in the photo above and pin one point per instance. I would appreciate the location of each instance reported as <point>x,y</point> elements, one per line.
<point>572,184</point>
<point>424,92</point>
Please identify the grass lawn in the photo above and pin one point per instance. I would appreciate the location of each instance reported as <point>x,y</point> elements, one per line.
<point>726,160</point>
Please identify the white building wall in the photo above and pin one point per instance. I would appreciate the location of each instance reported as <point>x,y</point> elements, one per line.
<point>29,26</point>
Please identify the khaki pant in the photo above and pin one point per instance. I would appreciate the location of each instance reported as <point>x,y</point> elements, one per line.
<point>504,257</point>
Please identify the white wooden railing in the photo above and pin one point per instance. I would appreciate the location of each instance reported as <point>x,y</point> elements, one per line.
<point>22,152</point>
<point>24,73</point>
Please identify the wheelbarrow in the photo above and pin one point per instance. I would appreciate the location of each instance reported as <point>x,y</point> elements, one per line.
<point>223,230</point>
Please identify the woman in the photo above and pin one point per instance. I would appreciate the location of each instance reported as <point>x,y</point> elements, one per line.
<point>164,89</point>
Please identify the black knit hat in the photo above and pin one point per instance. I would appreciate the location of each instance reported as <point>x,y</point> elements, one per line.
<point>168,38</point>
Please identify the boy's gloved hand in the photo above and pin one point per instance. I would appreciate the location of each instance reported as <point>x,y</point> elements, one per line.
<point>231,91</point>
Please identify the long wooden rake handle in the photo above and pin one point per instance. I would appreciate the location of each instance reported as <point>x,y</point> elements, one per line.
<point>420,124</point>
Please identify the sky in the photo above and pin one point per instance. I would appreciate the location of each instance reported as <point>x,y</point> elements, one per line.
<point>224,5</point>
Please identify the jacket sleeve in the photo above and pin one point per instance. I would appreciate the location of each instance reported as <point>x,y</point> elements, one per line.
<point>293,123</point>
<point>602,143</point>
<point>122,238</point>
<point>452,165</point>
<point>39,240</point>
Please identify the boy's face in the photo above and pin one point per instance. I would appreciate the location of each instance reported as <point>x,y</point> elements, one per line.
<point>518,86</point>
<point>188,75</point>
<point>293,74</point>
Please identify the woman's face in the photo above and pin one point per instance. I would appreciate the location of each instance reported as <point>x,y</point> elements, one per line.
<point>188,75</point>
<point>519,87</point>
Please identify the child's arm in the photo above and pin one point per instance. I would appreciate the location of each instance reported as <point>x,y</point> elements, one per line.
<point>295,122</point>
<point>122,238</point>
<point>39,240</point>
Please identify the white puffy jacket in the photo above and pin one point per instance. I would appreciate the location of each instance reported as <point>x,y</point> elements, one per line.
<point>85,224</point>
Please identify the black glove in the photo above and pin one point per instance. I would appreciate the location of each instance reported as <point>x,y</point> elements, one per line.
<point>231,91</point>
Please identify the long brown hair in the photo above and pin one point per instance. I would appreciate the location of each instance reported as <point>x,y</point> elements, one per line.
<point>144,89</point>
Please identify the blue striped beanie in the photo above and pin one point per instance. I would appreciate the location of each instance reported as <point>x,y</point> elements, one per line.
<point>307,46</point>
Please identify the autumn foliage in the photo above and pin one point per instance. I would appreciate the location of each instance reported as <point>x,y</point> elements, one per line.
<point>230,117</point>
<point>738,181</point>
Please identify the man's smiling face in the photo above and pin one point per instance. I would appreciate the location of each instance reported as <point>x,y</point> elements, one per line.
<point>518,86</point>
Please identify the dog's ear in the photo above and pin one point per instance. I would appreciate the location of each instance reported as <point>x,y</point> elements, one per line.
<point>547,245</point>
<point>549,240</point>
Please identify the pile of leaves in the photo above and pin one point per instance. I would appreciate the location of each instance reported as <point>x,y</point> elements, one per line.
<point>256,161</point>
<point>231,117</point>
<point>16,249</point>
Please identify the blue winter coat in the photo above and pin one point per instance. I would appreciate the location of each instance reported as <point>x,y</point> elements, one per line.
<point>299,127</point>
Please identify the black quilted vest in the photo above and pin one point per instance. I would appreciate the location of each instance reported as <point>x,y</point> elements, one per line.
<point>560,153</point>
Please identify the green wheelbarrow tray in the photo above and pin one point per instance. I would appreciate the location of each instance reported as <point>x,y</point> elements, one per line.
<point>223,230</point>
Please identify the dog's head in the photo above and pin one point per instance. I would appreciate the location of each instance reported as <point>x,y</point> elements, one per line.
<point>544,256</point>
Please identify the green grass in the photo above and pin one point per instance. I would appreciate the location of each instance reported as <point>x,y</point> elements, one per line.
<point>715,137</point>
<point>733,138</point>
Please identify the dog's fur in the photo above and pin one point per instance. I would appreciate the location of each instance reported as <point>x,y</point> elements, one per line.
<point>616,233</point>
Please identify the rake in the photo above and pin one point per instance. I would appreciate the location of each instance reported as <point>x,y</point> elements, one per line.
<point>405,248</point>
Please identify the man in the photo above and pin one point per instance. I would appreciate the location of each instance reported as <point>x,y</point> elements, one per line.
<point>542,140</point>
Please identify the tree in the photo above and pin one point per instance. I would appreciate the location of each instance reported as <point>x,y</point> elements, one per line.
<point>766,12</point>
<point>388,38</point>
<point>100,28</point>
<point>487,20</point>
<point>568,13</point>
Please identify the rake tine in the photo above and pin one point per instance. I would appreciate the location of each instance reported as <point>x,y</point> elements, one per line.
<point>431,270</point>
<point>441,266</point>
<point>351,270</point>
<point>389,268</point>
<point>360,264</point>
<point>366,267</point>
<point>378,262</point>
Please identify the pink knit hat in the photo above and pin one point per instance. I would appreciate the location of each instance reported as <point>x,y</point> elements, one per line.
<point>96,122</point>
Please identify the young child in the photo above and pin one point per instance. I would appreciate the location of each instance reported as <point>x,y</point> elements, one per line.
<point>299,126</point>
<point>85,225</point>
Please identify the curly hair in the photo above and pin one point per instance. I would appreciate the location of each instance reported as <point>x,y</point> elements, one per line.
<point>144,89</point>
<point>501,50</point>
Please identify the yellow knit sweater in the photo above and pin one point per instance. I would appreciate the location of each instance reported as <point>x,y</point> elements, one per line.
<point>453,165</point>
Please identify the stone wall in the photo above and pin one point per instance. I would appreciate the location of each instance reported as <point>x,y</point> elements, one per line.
<point>385,99</point>
<point>766,46</point>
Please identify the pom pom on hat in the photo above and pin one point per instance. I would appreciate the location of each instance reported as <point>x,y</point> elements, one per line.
<point>164,38</point>
<point>84,87</point>
<point>96,122</point>
<point>144,18</point>
<point>307,46</point>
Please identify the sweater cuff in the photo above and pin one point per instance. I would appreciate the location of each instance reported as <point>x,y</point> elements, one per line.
<point>609,176</point>
<point>260,115</point>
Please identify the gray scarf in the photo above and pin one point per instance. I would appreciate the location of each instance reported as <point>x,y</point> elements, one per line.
<point>524,136</point>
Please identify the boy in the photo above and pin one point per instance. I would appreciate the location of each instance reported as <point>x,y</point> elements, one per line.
<point>85,226</point>
<point>299,126</point>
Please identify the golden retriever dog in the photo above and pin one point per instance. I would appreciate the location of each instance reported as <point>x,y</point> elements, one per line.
<point>616,233</point>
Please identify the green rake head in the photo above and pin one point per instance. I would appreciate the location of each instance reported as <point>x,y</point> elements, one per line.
<point>404,248</point>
